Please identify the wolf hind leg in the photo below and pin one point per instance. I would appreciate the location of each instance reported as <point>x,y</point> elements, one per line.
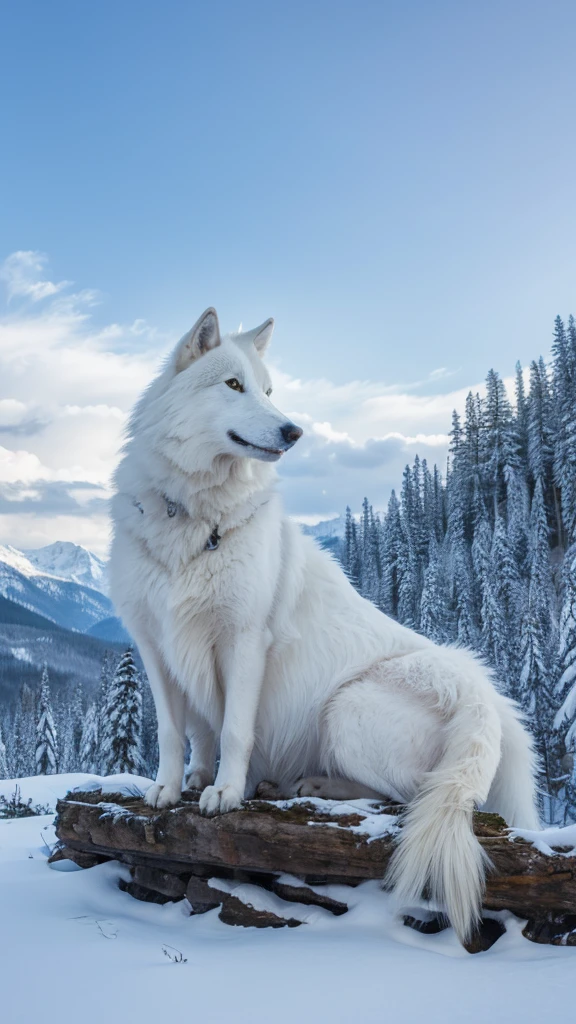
<point>428,724</point>
<point>380,736</point>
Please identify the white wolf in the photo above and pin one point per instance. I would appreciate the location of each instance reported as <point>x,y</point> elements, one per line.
<point>256,644</point>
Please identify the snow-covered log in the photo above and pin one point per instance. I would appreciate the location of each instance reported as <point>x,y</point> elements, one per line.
<point>173,852</point>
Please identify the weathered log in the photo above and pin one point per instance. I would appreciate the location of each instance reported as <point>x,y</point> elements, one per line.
<point>317,842</point>
<point>234,911</point>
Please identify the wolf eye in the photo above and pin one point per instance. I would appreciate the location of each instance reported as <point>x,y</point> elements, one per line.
<point>234,383</point>
<point>269,392</point>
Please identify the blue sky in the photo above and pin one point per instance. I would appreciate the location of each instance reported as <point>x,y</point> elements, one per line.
<point>394,183</point>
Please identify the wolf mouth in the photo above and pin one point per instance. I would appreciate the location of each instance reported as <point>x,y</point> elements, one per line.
<point>249,444</point>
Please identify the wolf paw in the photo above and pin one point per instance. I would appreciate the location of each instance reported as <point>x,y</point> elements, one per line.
<point>199,779</point>
<point>333,789</point>
<point>219,800</point>
<point>162,796</point>
<point>315,785</point>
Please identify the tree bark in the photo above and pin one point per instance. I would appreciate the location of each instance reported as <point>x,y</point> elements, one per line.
<point>264,839</point>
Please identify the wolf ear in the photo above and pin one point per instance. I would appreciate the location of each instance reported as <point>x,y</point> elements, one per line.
<point>200,339</point>
<point>261,336</point>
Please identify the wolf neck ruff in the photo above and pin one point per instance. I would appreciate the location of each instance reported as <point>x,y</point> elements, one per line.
<point>175,507</point>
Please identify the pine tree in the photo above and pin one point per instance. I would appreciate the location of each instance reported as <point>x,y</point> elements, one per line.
<point>517,515</point>
<point>433,604</point>
<point>497,439</point>
<point>565,688</point>
<point>392,557</point>
<point>21,751</point>
<point>521,424</point>
<point>541,596</point>
<point>463,597</point>
<point>69,726</point>
<point>501,609</point>
<point>535,692</point>
<point>3,758</point>
<point>121,742</point>
<point>564,387</point>
<point>149,732</point>
<point>89,753</point>
<point>46,740</point>
<point>566,660</point>
<point>410,562</point>
<point>351,549</point>
<point>540,430</point>
<point>537,640</point>
<point>370,555</point>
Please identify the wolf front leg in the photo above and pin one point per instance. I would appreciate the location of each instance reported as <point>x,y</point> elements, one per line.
<point>242,670</point>
<point>171,714</point>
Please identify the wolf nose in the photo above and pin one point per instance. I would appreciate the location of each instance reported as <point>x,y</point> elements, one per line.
<point>290,432</point>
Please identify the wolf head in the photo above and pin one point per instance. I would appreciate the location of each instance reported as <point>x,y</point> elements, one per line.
<point>213,399</point>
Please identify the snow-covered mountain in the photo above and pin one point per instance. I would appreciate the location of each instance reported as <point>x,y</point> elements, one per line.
<point>70,562</point>
<point>327,528</point>
<point>328,534</point>
<point>53,612</point>
<point>59,598</point>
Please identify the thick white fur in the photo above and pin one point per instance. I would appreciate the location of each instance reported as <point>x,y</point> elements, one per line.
<point>262,649</point>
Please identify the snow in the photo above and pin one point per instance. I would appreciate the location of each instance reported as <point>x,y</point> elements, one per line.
<point>17,560</point>
<point>73,944</point>
<point>20,653</point>
<point>70,562</point>
<point>374,825</point>
<point>327,528</point>
<point>47,789</point>
<point>550,840</point>
<point>60,561</point>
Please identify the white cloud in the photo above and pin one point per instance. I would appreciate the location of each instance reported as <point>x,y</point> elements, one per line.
<point>22,273</point>
<point>67,387</point>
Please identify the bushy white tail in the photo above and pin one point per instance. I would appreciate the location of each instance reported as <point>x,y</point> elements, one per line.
<point>438,853</point>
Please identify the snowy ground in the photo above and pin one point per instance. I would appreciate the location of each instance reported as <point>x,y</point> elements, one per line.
<point>75,930</point>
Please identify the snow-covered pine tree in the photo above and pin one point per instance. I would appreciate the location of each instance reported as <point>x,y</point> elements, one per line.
<point>88,752</point>
<point>392,557</point>
<point>466,629</point>
<point>497,447</point>
<point>107,670</point>
<point>537,640</point>
<point>565,686</point>
<point>509,594</point>
<point>351,549</point>
<point>22,745</point>
<point>149,732</point>
<point>534,683</point>
<point>518,519</point>
<point>495,625</point>
<point>433,604</point>
<point>566,659</point>
<point>121,741</point>
<point>410,563</point>
<point>46,740</point>
<point>3,757</point>
<point>70,730</point>
<point>370,555</point>
<point>521,422</point>
<point>564,389</point>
